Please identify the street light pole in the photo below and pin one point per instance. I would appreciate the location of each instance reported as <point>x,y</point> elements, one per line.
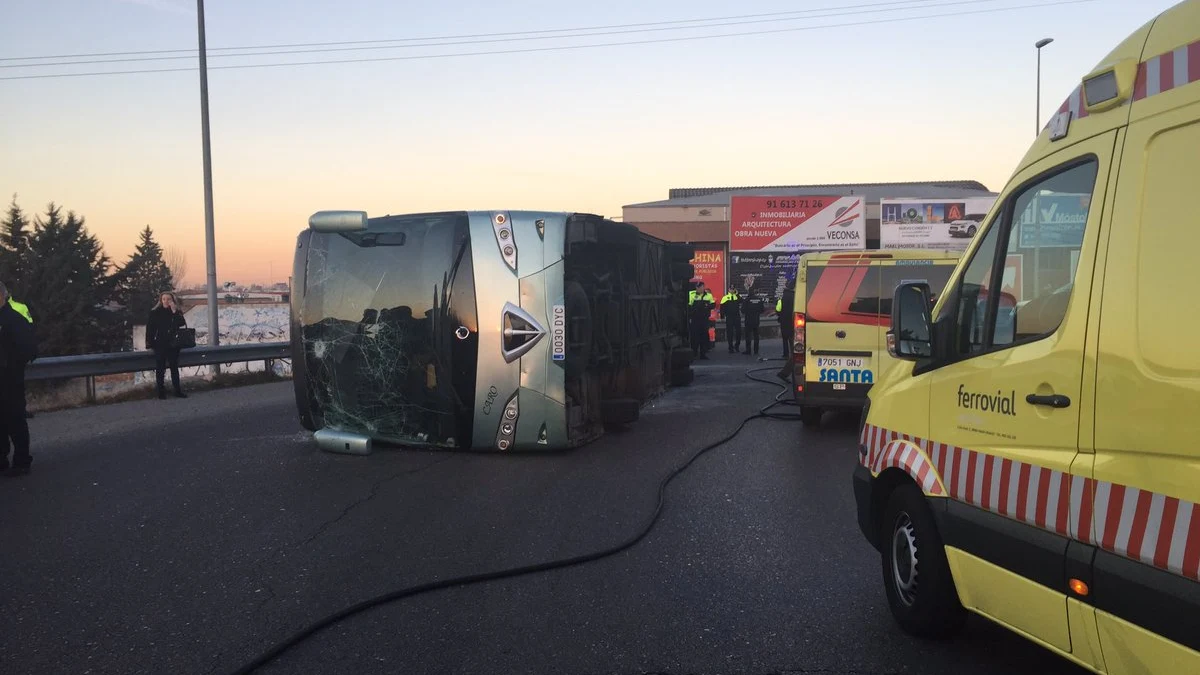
<point>210,247</point>
<point>1038,120</point>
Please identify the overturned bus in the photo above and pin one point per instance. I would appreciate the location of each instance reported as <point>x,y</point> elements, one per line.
<point>502,330</point>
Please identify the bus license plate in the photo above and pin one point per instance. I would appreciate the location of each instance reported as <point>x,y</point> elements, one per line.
<point>838,386</point>
<point>558,333</point>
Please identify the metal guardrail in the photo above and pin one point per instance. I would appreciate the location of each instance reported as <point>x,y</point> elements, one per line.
<point>90,365</point>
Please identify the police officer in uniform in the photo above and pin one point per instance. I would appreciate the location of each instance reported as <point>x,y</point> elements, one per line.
<point>23,310</point>
<point>17,348</point>
<point>700,304</point>
<point>752,308</point>
<point>731,311</point>
<point>787,330</point>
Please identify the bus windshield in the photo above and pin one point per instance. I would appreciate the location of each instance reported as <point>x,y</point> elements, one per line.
<point>390,329</point>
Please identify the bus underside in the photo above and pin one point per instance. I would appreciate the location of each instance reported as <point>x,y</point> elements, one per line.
<point>626,300</point>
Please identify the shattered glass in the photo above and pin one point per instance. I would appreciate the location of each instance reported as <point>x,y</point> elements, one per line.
<point>381,315</point>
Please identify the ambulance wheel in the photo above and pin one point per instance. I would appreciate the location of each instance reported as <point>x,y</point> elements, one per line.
<point>810,416</point>
<point>916,575</point>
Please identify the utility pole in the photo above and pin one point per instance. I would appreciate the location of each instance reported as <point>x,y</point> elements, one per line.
<point>210,246</point>
<point>1039,44</point>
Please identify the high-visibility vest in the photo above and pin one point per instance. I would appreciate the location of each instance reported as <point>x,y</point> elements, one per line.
<point>707,297</point>
<point>779,305</point>
<point>728,297</point>
<point>21,309</point>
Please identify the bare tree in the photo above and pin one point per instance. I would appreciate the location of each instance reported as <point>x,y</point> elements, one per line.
<point>176,261</point>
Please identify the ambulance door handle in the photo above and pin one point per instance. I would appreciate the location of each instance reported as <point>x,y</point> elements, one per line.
<point>1052,400</point>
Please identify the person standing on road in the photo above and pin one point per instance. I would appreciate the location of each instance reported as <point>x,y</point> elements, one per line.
<point>752,308</point>
<point>731,311</point>
<point>17,347</point>
<point>787,331</point>
<point>162,336</point>
<point>700,303</point>
<point>23,310</point>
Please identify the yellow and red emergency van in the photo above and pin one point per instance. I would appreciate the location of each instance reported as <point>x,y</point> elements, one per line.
<point>843,308</point>
<point>1035,458</point>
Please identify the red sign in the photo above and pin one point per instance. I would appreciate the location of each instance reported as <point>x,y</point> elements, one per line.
<point>796,224</point>
<point>710,268</point>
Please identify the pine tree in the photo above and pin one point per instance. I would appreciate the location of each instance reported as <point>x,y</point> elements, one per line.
<point>68,287</point>
<point>14,249</point>
<point>143,278</point>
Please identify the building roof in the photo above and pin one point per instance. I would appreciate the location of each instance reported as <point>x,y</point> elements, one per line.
<point>719,196</point>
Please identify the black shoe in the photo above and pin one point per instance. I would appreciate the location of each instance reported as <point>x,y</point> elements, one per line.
<point>14,471</point>
<point>28,415</point>
<point>180,394</point>
<point>162,395</point>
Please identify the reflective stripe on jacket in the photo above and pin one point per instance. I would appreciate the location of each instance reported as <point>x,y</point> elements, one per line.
<point>21,309</point>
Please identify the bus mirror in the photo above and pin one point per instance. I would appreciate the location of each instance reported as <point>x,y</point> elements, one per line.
<point>338,221</point>
<point>910,336</point>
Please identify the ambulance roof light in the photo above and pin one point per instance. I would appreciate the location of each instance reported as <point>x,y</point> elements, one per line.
<point>1109,86</point>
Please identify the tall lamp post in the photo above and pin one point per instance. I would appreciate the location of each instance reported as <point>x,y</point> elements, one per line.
<point>210,247</point>
<point>1039,44</point>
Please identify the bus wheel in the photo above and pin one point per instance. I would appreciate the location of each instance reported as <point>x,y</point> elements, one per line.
<point>810,416</point>
<point>916,576</point>
<point>682,357</point>
<point>682,377</point>
<point>620,410</point>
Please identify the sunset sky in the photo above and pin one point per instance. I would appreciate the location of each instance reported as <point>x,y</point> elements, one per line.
<point>903,98</point>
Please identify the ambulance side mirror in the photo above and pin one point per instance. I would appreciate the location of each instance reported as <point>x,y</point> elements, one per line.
<point>911,334</point>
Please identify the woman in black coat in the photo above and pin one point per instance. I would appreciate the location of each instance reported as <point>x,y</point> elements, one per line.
<point>162,334</point>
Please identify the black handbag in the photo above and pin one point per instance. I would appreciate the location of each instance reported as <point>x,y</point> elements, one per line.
<point>184,338</point>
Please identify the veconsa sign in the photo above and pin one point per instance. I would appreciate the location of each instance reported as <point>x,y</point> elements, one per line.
<point>788,224</point>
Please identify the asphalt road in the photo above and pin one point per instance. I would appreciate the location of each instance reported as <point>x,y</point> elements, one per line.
<point>186,536</point>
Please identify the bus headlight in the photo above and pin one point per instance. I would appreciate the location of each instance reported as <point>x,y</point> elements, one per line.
<point>508,424</point>
<point>505,239</point>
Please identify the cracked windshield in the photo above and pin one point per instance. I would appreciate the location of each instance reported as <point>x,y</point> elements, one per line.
<point>635,338</point>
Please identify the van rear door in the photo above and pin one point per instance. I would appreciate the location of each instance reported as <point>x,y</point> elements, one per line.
<point>841,321</point>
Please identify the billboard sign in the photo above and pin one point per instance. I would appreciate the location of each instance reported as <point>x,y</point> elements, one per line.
<point>710,268</point>
<point>788,224</point>
<point>709,264</point>
<point>762,275</point>
<point>1055,221</point>
<point>931,223</point>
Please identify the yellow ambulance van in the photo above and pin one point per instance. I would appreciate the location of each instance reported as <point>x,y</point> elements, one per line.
<point>1037,459</point>
<point>843,308</point>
